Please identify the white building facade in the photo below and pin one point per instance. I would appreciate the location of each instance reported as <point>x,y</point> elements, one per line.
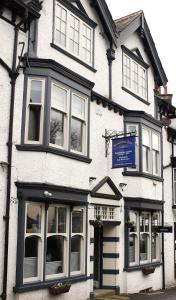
<point>72,79</point>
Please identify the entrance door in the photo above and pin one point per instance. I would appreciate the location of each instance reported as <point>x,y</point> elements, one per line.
<point>98,247</point>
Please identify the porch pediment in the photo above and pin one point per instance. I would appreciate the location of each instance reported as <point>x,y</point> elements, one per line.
<point>106,189</point>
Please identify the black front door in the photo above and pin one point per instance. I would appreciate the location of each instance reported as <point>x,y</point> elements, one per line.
<point>98,247</point>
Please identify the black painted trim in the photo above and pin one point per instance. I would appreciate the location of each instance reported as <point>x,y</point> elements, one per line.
<point>43,63</point>
<point>135,57</point>
<point>43,285</point>
<point>135,96</point>
<point>80,14</point>
<point>142,115</point>
<point>111,255</point>
<point>40,148</point>
<point>73,57</point>
<point>91,240</point>
<point>143,203</point>
<point>110,272</point>
<point>111,239</point>
<point>111,105</point>
<point>109,181</point>
<point>139,267</point>
<point>141,174</point>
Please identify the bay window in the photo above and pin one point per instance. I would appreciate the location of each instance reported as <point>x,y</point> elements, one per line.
<point>73,34</point>
<point>51,242</point>
<point>143,242</point>
<point>67,109</point>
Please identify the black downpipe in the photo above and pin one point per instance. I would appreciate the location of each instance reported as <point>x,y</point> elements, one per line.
<point>110,56</point>
<point>13,75</point>
<point>162,241</point>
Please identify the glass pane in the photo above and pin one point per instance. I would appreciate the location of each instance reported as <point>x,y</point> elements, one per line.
<point>155,162</point>
<point>62,214</point>
<point>77,221</point>
<point>155,141</point>
<point>146,163</point>
<point>75,253</point>
<point>133,220</point>
<point>31,257</point>
<point>76,135</point>
<point>51,219</point>
<point>55,255</point>
<point>34,123</point>
<point>56,127</point>
<point>145,137</point>
<point>36,91</point>
<point>132,247</point>
<point>155,220</point>
<point>154,246</point>
<point>59,98</point>
<point>33,222</point>
<point>78,105</point>
<point>143,247</point>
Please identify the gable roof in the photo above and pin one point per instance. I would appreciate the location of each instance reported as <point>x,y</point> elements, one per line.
<point>112,193</point>
<point>107,20</point>
<point>137,22</point>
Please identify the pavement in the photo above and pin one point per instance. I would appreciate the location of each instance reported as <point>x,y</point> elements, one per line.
<point>169,294</point>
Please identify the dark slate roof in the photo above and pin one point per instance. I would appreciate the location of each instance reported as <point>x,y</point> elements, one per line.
<point>123,22</point>
<point>137,22</point>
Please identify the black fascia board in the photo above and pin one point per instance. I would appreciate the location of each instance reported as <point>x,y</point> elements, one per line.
<point>107,20</point>
<point>20,8</point>
<point>144,115</point>
<point>33,62</point>
<point>162,78</point>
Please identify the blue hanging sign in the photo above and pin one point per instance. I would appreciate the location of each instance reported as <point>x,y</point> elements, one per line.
<point>123,152</point>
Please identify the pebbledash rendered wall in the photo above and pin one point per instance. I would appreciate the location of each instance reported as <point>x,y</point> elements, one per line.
<point>49,168</point>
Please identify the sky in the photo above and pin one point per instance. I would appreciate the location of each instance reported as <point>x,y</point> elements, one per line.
<point>161,19</point>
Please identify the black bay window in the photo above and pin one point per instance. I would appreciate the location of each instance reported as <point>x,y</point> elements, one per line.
<point>56,113</point>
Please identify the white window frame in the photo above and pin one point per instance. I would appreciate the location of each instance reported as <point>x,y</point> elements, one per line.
<point>81,24</point>
<point>41,243</point>
<point>150,149</point>
<point>136,126</point>
<point>131,78</point>
<point>83,242</point>
<point>28,104</point>
<point>65,113</point>
<point>138,234</point>
<point>174,184</point>
<point>66,243</point>
<point>84,120</point>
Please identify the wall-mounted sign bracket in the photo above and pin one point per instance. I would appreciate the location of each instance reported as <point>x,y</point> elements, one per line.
<point>112,134</point>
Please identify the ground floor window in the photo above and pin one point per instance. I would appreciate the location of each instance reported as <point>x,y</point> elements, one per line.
<point>142,240</point>
<point>54,241</point>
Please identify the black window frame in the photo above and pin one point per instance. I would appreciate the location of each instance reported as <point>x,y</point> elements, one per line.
<point>139,205</point>
<point>142,63</point>
<point>82,15</point>
<point>54,72</point>
<point>142,119</point>
<point>35,193</point>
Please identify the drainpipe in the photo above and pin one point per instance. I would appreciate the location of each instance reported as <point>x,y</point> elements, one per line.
<point>13,74</point>
<point>110,56</point>
<point>162,215</point>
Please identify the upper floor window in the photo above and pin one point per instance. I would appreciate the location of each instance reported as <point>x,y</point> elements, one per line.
<point>72,34</point>
<point>148,146</point>
<point>67,110</point>
<point>134,76</point>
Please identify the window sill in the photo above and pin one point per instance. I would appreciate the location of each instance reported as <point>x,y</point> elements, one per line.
<point>73,57</point>
<point>43,285</point>
<point>137,268</point>
<point>41,148</point>
<point>135,95</point>
<point>141,174</point>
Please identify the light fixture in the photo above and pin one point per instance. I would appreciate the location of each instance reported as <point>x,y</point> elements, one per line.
<point>47,194</point>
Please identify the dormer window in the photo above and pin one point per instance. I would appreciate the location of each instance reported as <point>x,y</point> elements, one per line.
<point>134,74</point>
<point>73,34</point>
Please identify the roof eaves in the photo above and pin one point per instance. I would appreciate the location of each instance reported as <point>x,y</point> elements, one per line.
<point>107,20</point>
